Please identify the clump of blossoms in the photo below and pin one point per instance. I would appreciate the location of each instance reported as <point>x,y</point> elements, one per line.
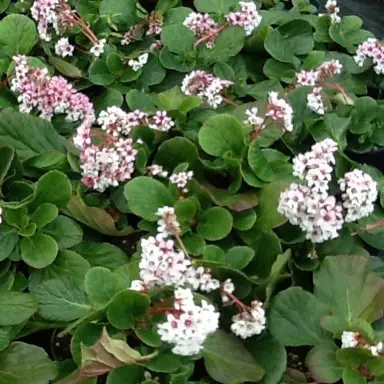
<point>247,17</point>
<point>157,170</point>
<point>333,11</point>
<point>48,95</point>
<point>310,206</point>
<point>206,29</point>
<point>136,65</point>
<point>371,49</point>
<point>63,47</point>
<point>188,325</point>
<point>355,340</point>
<point>318,79</point>
<point>181,180</point>
<point>205,85</point>
<point>151,25</point>
<point>277,110</point>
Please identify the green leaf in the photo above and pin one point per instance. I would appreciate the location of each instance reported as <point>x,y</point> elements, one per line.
<point>153,72</point>
<point>165,362</point>
<point>346,284</point>
<point>244,220</point>
<point>337,127</point>
<point>16,307</point>
<point>145,196</point>
<point>8,240</point>
<point>299,35</point>
<point>29,135</point>
<point>22,363</point>
<point>126,307</point>
<point>100,285</point>
<point>267,214</point>
<point>20,194</point>
<point>99,73</point>
<point>178,38</point>
<point>215,223</point>
<point>239,257</point>
<point>174,99</point>
<point>18,35</point>
<point>108,97</point>
<point>149,337</point>
<point>39,250</point>
<point>279,48</point>
<point>65,68</point>
<point>123,11</point>
<point>173,61</point>
<point>130,374</point>
<point>7,154</point>
<point>322,364</point>
<point>65,231</point>
<point>68,264</point>
<point>193,243</point>
<point>96,218</point>
<point>102,254</point>
<point>271,355</point>
<point>175,151</point>
<point>185,210</point>
<point>295,317</point>
<point>352,377</point>
<point>259,163</point>
<point>137,99</point>
<point>44,214</point>
<point>221,134</point>
<point>61,300</point>
<point>214,6</point>
<point>213,253</point>
<point>227,361</point>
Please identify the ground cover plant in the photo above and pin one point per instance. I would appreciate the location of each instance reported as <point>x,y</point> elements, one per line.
<point>190,193</point>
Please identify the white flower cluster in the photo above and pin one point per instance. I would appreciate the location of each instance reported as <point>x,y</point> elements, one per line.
<point>64,48</point>
<point>167,224</point>
<point>98,47</point>
<point>188,325</point>
<point>371,49</point>
<point>279,109</point>
<point>309,206</point>
<point>136,65</point>
<point>252,117</point>
<point>201,24</point>
<point>205,85</point>
<point>157,170</point>
<point>249,323</point>
<point>181,179</point>
<point>115,121</point>
<point>355,340</point>
<point>359,194</point>
<point>228,287</point>
<point>247,18</point>
<point>333,11</point>
<point>46,13</point>
<point>316,78</point>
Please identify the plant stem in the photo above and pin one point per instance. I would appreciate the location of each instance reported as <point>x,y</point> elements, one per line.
<point>378,224</point>
<point>210,36</point>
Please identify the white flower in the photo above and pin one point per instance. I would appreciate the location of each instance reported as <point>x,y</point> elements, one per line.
<point>229,287</point>
<point>181,179</point>
<point>188,325</point>
<point>333,11</point>
<point>349,339</point>
<point>247,17</point>
<point>253,118</point>
<point>249,323</point>
<point>98,48</point>
<point>168,224</point>
<point>279,109</point>
<point>359,194</point>
<point>161,122</point>
<point>157,170</point>
<point>63,48</point>
<point>315,101</point>
<point>136,65</point>
<point>137,285</point>
<point>201,279</point>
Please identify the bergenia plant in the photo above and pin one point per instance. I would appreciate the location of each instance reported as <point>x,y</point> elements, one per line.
<point>191,192</point>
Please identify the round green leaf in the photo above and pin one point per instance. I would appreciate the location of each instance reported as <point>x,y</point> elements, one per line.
<point>215,223</point>
<point>18,35</point>
<point>178,38</point>
<point>214,253</point>
<point>145,196</point>
<point>100,285</point>
<point>244,220</point>
<point>126,307</point>
<point>99,73</point>
<point>16,307</point>
<point>44,214</point>
<point>239,257</point>
<point>131,374</point>
<point>39,250</point>
<point>259,163</point>
<point>214,6</point>
<point>222,134</point>
<point>149,337</point>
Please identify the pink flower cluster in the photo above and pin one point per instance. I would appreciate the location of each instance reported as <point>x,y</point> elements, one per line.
<point>117,122</point>
<point>48,95</point>
<point>181,180</point>
<point>317,78</point>
<point>188,325</point>
<point>205,85</point>
<point>333,11</point>
<point>247,18</point>
<point>279,109</point>
<point>202,25</point>
<point>47,15</point>
<point>371,49</point>
<point>152,25</point>
<point>312,208</point>
<point>107,165</point>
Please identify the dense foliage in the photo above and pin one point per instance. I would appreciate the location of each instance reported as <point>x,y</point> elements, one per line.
<point>189,193</point>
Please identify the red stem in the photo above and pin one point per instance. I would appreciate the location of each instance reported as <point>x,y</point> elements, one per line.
<point>210,36</point>
<point>378,224</point>
<point>235,300</point>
